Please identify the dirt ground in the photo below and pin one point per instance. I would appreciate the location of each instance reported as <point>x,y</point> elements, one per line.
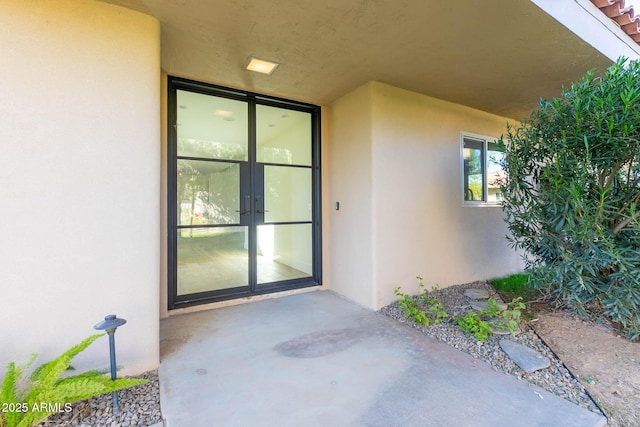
<point>606,364</point>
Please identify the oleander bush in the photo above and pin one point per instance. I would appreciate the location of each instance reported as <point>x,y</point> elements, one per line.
<point>572,195</point>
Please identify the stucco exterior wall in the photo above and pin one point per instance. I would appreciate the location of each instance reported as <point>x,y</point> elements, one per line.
<point>403,153</point>
<point>79,180</point>
<point>350,168</point>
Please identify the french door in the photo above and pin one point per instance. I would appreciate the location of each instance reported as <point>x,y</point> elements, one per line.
<point>244,194</point>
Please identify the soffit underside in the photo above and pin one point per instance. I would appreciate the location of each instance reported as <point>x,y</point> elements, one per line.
<point>496,56</point>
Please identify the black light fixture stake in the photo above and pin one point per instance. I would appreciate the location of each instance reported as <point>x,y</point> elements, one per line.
<point>110,324</point>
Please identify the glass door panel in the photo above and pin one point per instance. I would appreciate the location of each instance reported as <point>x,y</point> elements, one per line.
<point>211,259</point>
<point>208,192</point>
<point>285,177</point>
<point>283,136</point>
<point>284,252</point>
<point>287,194</point>
<point>212,241</point>
<point>211,127</point>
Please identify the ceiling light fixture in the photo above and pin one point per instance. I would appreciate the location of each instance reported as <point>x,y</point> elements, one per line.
<point>260,65</point>
<point>223,113</point>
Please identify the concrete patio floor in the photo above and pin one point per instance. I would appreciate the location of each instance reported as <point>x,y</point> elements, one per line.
<point>317,359</point>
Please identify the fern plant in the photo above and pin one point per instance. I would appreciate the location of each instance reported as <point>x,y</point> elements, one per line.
<point>27,400</point>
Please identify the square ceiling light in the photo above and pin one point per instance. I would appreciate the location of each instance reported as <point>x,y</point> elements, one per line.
<point>260,65</point>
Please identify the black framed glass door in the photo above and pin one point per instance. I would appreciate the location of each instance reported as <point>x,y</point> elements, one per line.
<point>244,194</point>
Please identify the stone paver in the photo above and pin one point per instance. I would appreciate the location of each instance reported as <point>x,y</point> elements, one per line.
<point>476,294</point>
<point>479,305</point>
<point>528,359</point>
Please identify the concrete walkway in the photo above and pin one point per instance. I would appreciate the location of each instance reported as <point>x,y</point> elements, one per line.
<point>317,359</point>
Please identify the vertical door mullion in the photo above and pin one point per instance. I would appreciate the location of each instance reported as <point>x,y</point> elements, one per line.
<point>259,193</point>
<point>245,194</point>
<point>253,232</point>
<point>316,197</point>
<point>258,182</point>
<point>172,208</point>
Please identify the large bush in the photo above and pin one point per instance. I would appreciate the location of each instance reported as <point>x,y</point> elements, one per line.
<point>572,194</point>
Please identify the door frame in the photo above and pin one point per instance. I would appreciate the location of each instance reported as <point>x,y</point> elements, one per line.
<point>174,300</point>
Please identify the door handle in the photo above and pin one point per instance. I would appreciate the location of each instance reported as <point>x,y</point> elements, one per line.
<point>246,209</point>
<point>258,202</point>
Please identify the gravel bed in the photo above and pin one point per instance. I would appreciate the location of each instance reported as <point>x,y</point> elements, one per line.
<point>139,406</point>
<point>556,379</point>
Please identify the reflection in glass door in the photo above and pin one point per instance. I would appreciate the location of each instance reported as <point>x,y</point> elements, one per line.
<point>243,194</point>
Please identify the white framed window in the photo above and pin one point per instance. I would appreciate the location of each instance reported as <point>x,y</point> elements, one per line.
<point>480,158</point>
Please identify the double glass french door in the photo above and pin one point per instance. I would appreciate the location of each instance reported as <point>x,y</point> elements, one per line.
<point>244,194</point>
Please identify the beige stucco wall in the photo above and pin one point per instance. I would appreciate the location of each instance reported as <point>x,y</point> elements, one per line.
<point>350,167</point>
<point>79,180</point>
<point>396,157</point>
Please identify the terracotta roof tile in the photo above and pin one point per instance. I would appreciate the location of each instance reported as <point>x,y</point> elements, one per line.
<point>624,16</point>
<point>624,19</point>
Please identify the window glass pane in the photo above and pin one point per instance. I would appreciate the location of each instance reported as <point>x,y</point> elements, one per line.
<point>284,252</point>
<point>211,127</point>
<point>495,173</point>
<point>283,136</point>
<point>473,185</point>
<point>208,192</point>
<point>212,258</point>
<point>287,194</point>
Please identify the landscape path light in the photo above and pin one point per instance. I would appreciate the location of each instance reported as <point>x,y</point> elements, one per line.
<point>110,324</point>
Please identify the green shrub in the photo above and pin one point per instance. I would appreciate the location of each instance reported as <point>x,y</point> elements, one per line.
<point>25,401</point>
<point>573,191</point>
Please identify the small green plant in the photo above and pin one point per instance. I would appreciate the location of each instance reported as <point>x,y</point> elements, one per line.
<point>27,400</point>
<point>473,324</point>
<point>436,308</point>
<point>510,317</point>
<point>411,308</point>
<point>477,323</point>
<point>492,310</point>
<point>435,312</point>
